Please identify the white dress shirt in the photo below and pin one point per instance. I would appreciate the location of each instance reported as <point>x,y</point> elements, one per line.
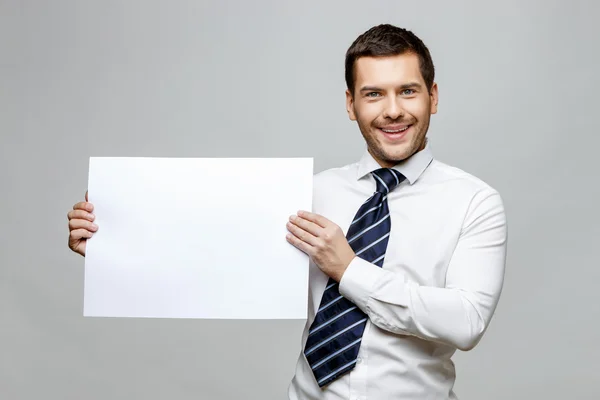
<point>437,290</point>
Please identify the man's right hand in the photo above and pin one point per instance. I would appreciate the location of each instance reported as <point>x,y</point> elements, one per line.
<point>81,226</point>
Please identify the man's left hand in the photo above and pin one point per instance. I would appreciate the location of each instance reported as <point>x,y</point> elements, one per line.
<point>322,240</point>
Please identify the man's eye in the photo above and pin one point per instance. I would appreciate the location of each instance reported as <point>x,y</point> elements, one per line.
<point>372,94</point>
<point>408,92</point>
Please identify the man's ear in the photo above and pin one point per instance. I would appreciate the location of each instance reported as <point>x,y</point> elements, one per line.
<point>433,97</point>
<point>350,106</point>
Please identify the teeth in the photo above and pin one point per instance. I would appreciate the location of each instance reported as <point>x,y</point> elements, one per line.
<point>396,131</point>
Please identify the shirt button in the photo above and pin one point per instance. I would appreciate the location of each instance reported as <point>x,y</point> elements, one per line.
<point>358,360</point>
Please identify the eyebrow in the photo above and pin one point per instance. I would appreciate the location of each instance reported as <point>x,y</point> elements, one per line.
<point>410,85</point>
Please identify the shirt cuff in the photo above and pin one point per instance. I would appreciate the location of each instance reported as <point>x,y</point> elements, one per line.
<point>358,281</point>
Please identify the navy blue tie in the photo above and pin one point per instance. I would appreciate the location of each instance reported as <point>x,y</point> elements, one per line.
<point>335,335</point>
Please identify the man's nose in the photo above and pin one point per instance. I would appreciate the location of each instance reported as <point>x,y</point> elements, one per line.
<point>393,109</point>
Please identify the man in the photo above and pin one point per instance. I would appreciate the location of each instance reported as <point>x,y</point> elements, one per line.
<point>407,253</point>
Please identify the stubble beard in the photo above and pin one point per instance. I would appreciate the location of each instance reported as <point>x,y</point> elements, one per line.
<point>377,150</point>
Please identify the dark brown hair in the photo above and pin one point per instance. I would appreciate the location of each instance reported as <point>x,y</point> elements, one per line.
<point>384,41</point>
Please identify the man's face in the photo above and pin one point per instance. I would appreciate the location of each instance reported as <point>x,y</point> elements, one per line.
<point>392,106</point>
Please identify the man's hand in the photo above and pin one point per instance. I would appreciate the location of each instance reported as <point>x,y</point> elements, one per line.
<point>323,241</point>
<point>81,226</point>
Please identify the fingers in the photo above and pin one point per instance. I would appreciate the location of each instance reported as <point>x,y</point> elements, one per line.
<point>76,223</point>
<point>84,205</point>
<point>301,245</point>
<point>81,220</point>
<point>81,226</point>
<point>78,234</point>
<point>301,234</point>
<point>80,214</point>
<point>315,218</point>
<point>306,225</point>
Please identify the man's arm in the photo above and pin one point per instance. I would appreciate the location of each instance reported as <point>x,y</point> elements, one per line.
<point>457,314</point>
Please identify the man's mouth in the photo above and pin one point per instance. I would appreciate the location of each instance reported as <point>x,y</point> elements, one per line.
<point>396,132</point>
<point>398,129</point>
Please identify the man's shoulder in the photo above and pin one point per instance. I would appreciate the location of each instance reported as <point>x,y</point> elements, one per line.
<point>441,173</point>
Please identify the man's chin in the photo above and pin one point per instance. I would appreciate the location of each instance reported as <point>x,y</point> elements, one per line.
<point>397,153</point>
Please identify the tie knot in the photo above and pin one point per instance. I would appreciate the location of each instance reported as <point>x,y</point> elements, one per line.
<point>387,179</point>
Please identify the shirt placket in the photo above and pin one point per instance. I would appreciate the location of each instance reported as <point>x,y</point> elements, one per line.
<point>358,376</point>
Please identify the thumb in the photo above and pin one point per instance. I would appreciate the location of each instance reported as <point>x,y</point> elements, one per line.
<point>86,196</point>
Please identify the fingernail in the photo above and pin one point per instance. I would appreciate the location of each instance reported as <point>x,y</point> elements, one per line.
<point>94,226</point>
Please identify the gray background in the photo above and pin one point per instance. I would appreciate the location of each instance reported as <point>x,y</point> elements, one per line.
<point>518,108</point>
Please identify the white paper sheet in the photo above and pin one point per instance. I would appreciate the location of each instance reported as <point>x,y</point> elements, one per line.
<point>196,238</point>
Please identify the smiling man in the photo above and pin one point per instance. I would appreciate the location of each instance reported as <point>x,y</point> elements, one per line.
<point>407,253</point>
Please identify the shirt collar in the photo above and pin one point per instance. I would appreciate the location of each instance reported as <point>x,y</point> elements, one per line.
<point>412,168</point>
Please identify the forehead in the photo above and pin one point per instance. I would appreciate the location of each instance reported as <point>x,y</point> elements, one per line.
<point>392,70</point>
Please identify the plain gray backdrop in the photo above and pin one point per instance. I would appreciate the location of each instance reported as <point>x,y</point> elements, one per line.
<point>518,108</point>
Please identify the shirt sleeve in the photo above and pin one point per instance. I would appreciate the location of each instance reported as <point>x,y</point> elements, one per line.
<point>457,314</point>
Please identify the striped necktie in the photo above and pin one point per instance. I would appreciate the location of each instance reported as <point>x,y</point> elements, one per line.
<point>335,335</point>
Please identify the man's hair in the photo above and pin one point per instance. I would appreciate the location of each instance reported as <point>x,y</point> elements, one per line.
<point>384,41</point>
